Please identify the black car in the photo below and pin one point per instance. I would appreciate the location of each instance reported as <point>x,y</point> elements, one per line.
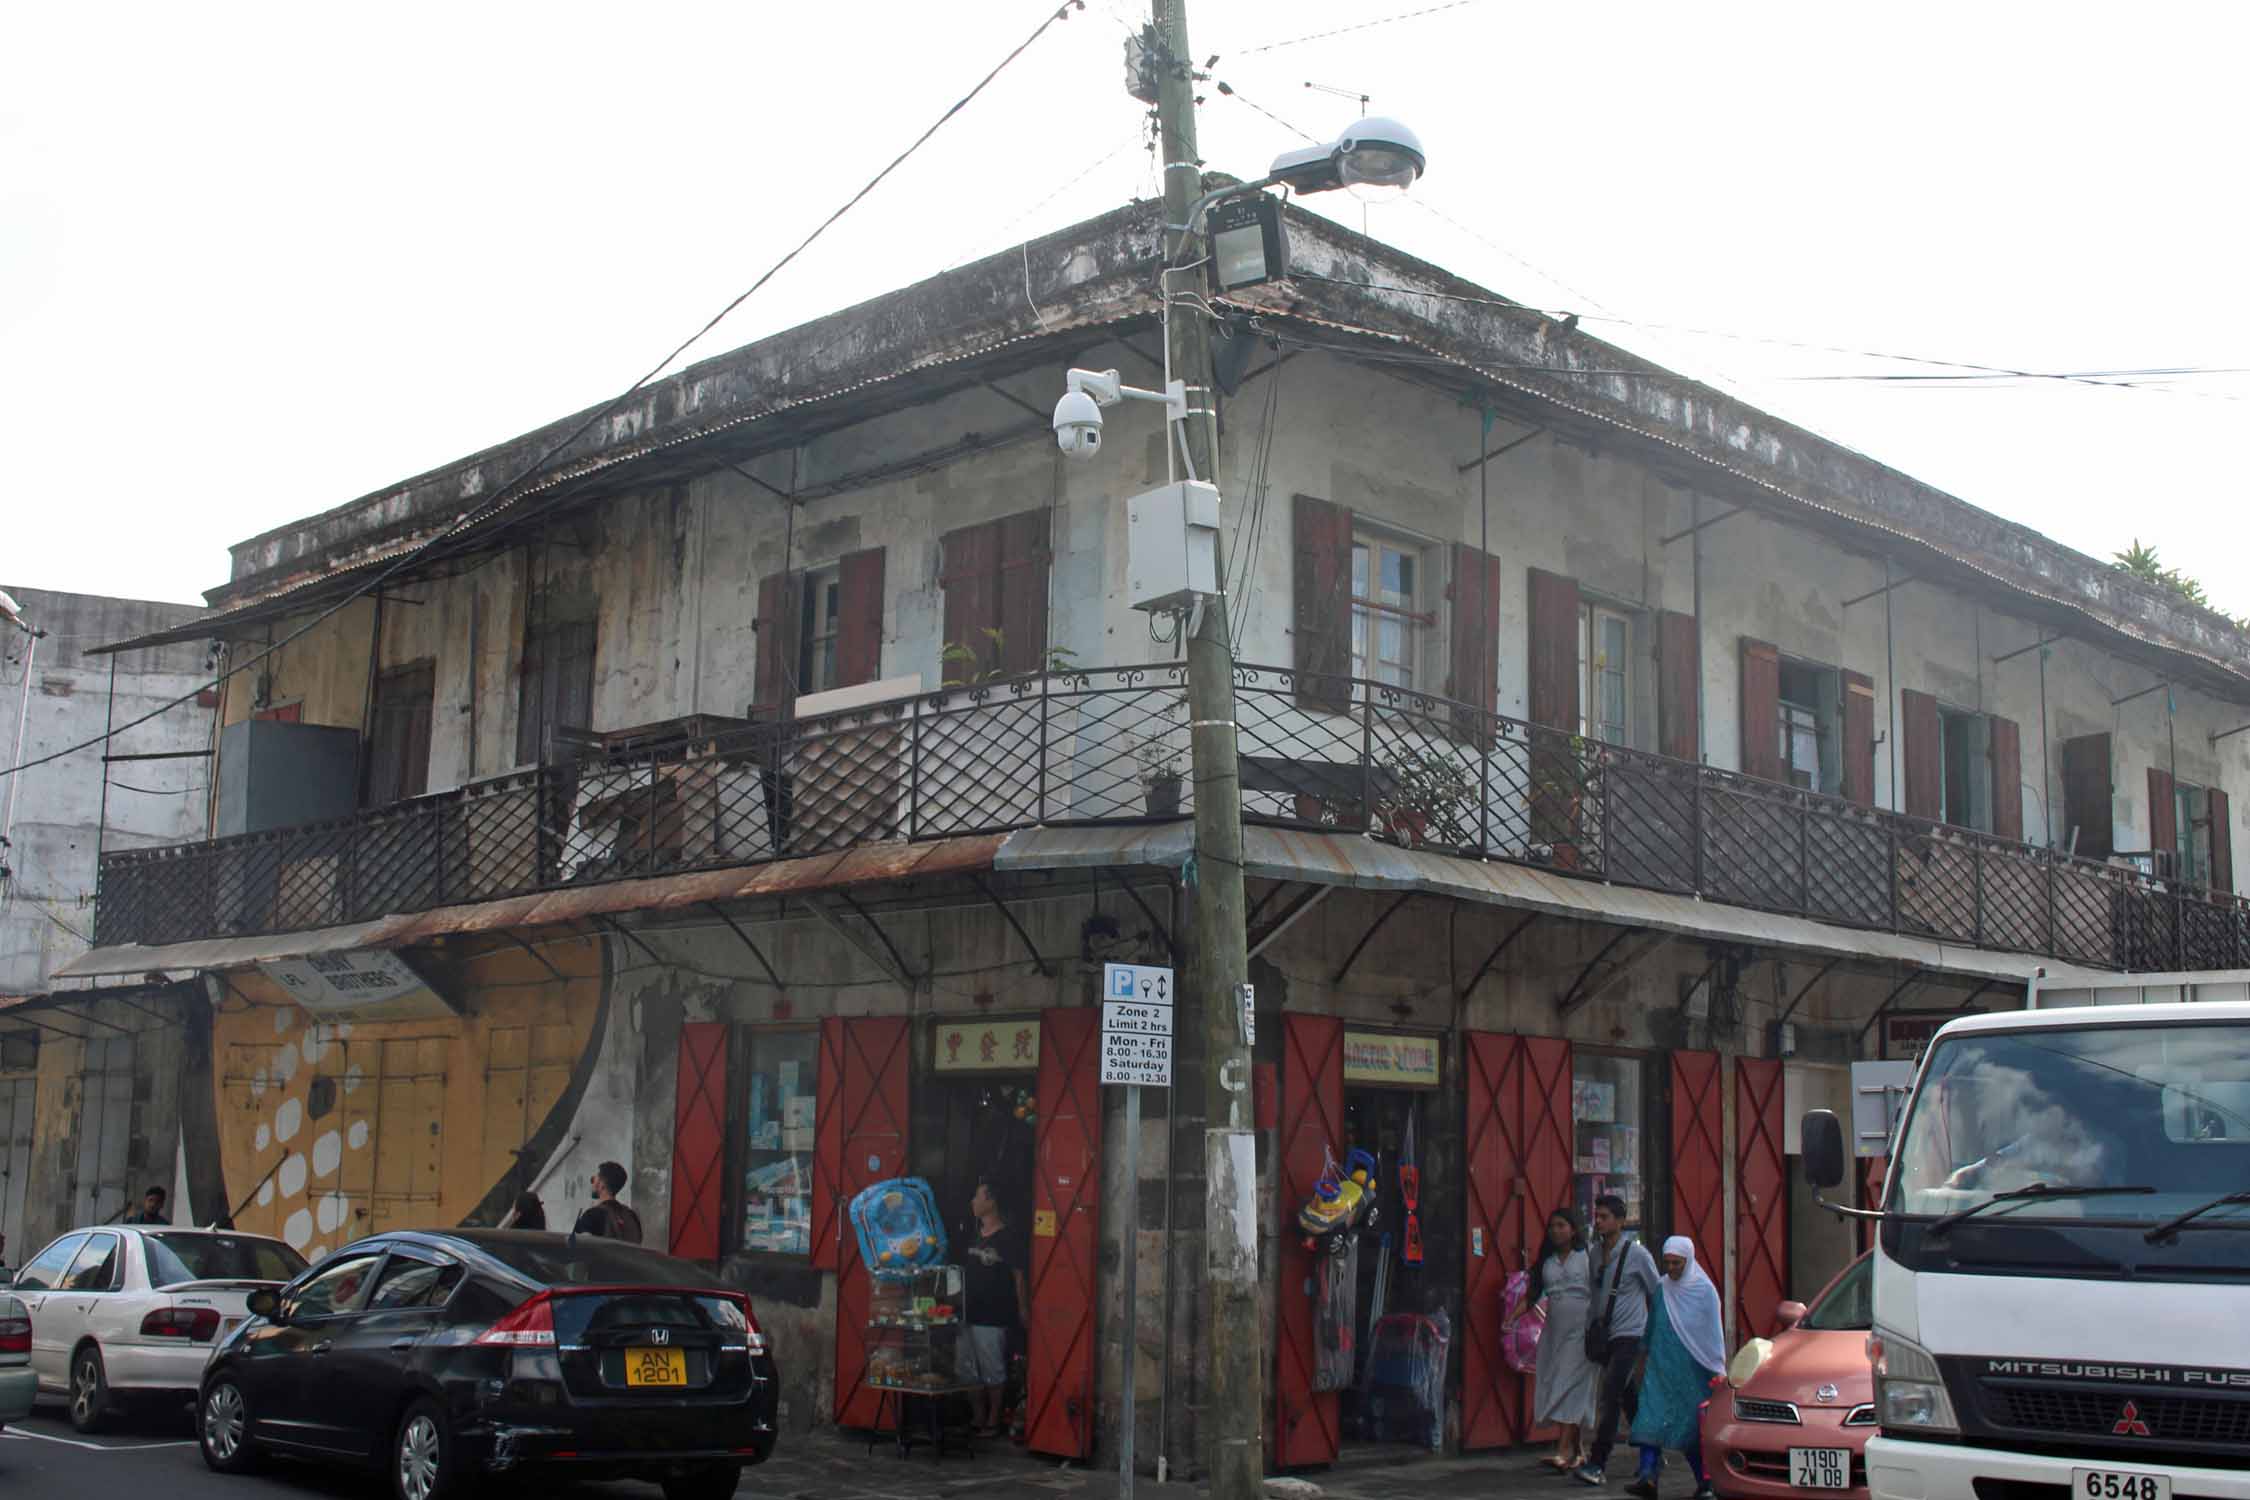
<point>441,1355</point>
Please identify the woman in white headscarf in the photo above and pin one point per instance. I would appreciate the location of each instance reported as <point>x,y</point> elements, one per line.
<point>1685,1352</point>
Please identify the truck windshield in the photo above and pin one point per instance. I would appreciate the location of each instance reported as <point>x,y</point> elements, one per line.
<point>2161,1111</point>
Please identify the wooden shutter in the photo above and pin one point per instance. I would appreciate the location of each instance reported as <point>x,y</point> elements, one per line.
<point>859,624</point>
<point>1859,738</point>
<point>870,1118</point>
<point>1321,606</point>
<point>1761,710</point>
<point>398,750</point>
<point>1678,716</point>
<point>2086,796</point>
<point>774,691</point>
<point>1065,1237</point>
<point>1919,739</point>
<point>1476,628</point>
<point>995,580</point>
<point>1022,587</point>
<point>2222,843</point>
<point>1306,1423</point>
<point>1761,1199</point>
<point>699,1141</point>
<point>2007,778</point>
<point>1553,604</point>
<point>558,688</point>
<point>2163,820</point>
<point>970,576</point>
<point>1699,1196</point>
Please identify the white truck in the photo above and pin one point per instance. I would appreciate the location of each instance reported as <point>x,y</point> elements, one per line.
<point>2062,1267</point>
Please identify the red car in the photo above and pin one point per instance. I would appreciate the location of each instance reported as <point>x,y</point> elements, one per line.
<point>1799,1424</point>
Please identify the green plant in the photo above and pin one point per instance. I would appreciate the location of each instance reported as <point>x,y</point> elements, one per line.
<point>964,663</point>
<point>1426,789</point>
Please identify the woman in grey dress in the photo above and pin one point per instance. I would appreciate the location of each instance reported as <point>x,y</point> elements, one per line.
<point>1564,1383</point>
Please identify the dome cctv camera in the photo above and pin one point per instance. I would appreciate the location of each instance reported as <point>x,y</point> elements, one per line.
<point>1078,424</point>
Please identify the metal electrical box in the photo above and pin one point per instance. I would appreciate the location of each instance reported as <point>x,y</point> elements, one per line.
<point>1172,545</point>
<point>279,775</point>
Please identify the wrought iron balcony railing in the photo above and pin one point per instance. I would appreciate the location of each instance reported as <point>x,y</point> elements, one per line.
<point>1109,746</point>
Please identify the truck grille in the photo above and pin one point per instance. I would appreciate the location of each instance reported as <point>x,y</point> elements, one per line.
<point>2098,1414</point>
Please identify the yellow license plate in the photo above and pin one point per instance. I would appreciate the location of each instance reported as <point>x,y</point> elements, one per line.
<point>655,1367</point>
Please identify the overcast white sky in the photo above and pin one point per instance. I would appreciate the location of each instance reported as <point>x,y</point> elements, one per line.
<point>258,260</point>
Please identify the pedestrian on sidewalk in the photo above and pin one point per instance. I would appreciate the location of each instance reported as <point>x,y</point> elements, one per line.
<point>608,1218</point>
<point>529,1212</point>
<point>999,1298</point>
<point>1565,1387</point>
<point>152,1209</point>
<point>1624,1288</point>
<point>1685,1352</point>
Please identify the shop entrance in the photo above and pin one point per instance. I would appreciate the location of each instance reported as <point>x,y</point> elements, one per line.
<point>1398,1349</point>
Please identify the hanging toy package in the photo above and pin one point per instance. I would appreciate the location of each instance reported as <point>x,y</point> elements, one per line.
<point>1410,1190</point>
<point>1336,1319</point>
<point>1405,1389</point>
<point>1342,1200</point>
<point>898,1228</point>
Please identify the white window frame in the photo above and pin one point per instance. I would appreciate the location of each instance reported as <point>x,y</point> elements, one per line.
<point>1823,720</point>
<point>1592,615</point>
<point>1367,610</point>
<point>816,650</point>
<point>2192,859</point>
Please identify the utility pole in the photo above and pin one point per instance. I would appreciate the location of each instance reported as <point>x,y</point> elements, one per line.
<point>1233,1377</point>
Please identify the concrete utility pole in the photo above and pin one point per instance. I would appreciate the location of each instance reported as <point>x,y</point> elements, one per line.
<point>1233,1377</point>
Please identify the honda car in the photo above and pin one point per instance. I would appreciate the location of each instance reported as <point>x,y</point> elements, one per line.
<point>1798,1423</point>
<point>444,1355</point>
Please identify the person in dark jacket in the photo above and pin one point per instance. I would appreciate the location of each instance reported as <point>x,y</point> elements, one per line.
<point>529,1212</point>
<point>608,1217</point>
<point>152,1208</point>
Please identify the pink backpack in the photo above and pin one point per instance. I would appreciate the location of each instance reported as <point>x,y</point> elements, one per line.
<point>1519,1339</point>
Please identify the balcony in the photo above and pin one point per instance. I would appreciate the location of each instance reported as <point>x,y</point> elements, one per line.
<point>1109,746</point>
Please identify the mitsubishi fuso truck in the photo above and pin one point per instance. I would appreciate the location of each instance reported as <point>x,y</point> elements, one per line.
<point>2062,1263</point>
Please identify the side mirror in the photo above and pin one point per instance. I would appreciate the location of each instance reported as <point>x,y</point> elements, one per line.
<point>1824,1148</point>
<point>263,1303</point>
<point>1790,1314</point>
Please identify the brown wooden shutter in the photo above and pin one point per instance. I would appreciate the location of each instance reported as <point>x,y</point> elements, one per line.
<point>1920,740</point>
<point>2163,820</point>
<point>995,581</point>
<point>1761,710</point>
<point>398,752</point>
<point>970,576</point>
<point>1022,586</point>
<point>859,624</point>
<point>1554,650</point>
<point>1859,738</point>
<point>1321,603</point>
<point>2007,779</point>
<point>2222,843</point>
<point>1678,715</point>
<point>1476,628</point>
<point>2086,796</point>
<point>774,693</point>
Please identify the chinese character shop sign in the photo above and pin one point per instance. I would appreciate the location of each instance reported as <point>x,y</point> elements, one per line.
<point>988,1046</point>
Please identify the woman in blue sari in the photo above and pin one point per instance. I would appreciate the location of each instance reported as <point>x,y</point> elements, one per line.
<point>1685,1352</point>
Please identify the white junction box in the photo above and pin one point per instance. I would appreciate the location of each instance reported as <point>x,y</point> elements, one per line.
<point>1172,545</point>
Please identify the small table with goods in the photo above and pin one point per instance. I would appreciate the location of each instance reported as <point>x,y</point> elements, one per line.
<point>913,1338</point>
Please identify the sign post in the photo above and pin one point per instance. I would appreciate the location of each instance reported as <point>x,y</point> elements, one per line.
<point>1136,1053</point>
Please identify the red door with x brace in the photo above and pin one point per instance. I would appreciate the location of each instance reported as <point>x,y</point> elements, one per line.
<point>1699,1182</point>
<point>1518,1136</point>
<point>1065,1237</point>
<point>1761,1199</point>
<point>699,1140</point>
<point>860,1139</point>
<point>1312,1126</point>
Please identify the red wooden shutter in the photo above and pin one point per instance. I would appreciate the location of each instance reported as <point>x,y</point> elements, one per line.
<point>1322,603</point>
<point>1919,736</point>
<point>2222,843</point>
<point>1476,628</point>
<point>2007,778</point>
<point>2086,796</point>
<point>1022,586</point>
<point>970,577</point>
<point>1312,1126</point>
<point>1859,738</point>
<point>1761,710</point>
<point>774,693</point>
<point>1065,1237</point>
<point>699,1140</point>
<point>859,620</point>
<point>1699,1191</point>
<point>1678,716</point>
<point>1553,604</point>
<point>1761,1199</point>
<point>2163,820</point>
<point>1518,1169</point>
<point>872,1102</point>
<point>828,1226</point>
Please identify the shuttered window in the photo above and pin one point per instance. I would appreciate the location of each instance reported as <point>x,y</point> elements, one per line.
<point>398,742</point>
<point>1679,730</point>
<point>1858,749</point>
<point>1474,675</point>
<point>1962,767</point>
<point>1321,603</point>
<point>2222,842</point>
<point>1555,674</point>
<point>995,580</point>
<point>818,630</point>
<point>2087,829</point>
<point>558,688</point>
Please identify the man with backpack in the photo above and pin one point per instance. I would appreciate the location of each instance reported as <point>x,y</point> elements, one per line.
<point>1624,1285</point>
<point>609,1218</point>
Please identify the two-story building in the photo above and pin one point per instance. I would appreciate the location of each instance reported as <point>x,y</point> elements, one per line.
<point>753,794</point>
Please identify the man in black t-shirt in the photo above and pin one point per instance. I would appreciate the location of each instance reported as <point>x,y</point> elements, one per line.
<point>999,1298</point>
<point>608,1217</point>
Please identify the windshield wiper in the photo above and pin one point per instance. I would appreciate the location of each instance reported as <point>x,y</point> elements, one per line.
<point>2173,1225</point>
<point>2033,1190</point>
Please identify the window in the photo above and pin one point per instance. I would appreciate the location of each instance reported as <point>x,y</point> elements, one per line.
<point>1605,666</point>
<point>778,1103</point>
<point>558,688</point>
<point>19,1052</point>
<point>174,1258</point>
<point>1606,1106</point>
<point>95,1268</point>
<point>46,1268</point>
<point>407,1282</point>
<point>398,748</point>
<point>337,1289</point>
<point>1386,620</point>
<point>823,607</point>
<point>2191,825</point>
<point>1850,1304</point>
<point>1811,712</point>
<point>1965,768</point>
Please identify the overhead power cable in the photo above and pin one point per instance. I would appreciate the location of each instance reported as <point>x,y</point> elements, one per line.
<point>507,492</point>
<point>1322,36</point>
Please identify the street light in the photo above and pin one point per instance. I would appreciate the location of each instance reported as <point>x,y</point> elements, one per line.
<point>1377,156</point>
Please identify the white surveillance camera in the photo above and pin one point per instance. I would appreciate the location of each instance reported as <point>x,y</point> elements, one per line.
<point>1078,424</point>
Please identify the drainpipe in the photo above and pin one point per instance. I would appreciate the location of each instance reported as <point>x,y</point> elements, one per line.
<point>1890,682</point>
<point>1702,744</point>
<point>15,771</point>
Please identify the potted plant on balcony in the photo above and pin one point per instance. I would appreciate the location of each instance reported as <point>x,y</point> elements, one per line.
<point>1161,764</point>
<point>1559,767</point>
<point>1425,790</point>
